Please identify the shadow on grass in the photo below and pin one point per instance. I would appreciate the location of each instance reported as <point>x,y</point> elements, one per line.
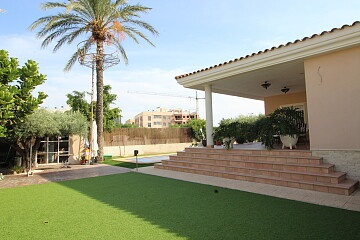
<point>195,211</point>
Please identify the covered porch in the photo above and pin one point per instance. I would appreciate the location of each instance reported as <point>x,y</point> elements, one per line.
<point>318,74</point>
<point>246,77</point>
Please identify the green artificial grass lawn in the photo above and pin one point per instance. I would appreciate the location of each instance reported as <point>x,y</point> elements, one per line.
<point>138,206</point>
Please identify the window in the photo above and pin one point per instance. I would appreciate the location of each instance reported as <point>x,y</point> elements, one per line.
<point>149,118</point>
<point>53,150</point>
<point>301,106</point>
<point>149,124</point>
<point>157,116</point>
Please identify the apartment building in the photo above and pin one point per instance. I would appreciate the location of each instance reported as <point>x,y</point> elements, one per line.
<point>162,118</point>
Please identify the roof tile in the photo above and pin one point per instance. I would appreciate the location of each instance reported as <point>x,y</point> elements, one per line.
<point>267,50</point>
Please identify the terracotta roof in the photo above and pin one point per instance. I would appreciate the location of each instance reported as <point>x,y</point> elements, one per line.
<point>267,50</point>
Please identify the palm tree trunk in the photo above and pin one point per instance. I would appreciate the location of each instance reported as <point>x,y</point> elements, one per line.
<point>100,98</point>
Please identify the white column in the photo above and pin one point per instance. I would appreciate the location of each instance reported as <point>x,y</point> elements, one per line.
<point>209,116</point>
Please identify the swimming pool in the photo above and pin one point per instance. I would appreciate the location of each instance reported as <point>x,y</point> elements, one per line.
<point>153,159</point>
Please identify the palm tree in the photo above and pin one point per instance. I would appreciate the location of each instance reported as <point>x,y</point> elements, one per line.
<point>100,23</point>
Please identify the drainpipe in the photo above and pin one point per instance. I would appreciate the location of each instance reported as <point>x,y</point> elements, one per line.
<point>209,116</point>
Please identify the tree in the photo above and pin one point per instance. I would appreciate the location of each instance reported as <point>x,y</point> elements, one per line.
<point>6,106</point>
<point>126,125</point>
<point>16,86</point>
<point>16,100</point>
<point>198,127</point>
<point>44,123</point>
<point>77,102</point>
<point>103,22</point>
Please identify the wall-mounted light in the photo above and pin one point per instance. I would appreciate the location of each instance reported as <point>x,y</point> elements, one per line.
<point>266,84</point>
<point>285,89</point>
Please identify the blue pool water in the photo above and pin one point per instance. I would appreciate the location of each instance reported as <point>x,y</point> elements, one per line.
<point>153,159</point>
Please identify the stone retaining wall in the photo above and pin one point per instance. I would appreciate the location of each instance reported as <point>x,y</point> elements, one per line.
<point>345,161</point>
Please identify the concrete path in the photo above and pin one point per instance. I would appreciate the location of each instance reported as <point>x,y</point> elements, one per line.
<point>327,199</point>
<point>56,174</point>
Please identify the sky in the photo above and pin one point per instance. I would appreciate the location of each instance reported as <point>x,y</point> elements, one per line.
<point>193,34</point>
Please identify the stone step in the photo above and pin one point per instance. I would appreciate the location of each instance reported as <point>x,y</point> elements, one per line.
<point>236,155</point>
<point>333,177</point>
<point>321,168</point>
<point>283,152</point>
<point>346,187</point>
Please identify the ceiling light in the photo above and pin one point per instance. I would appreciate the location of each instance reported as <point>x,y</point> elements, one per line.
<point>285,89</point>
<point>266,84</point>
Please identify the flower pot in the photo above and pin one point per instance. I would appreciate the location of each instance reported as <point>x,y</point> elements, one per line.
<point>228,142</point>
<point>289,141</point>
<point>194,143</point>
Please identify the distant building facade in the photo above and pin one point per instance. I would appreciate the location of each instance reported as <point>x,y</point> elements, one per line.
<point>162,118</point>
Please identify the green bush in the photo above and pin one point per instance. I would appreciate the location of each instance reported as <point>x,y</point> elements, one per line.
<point>17,169</point>
<point>198,129</point>
<point>283,121</point>
<point>242,129</point>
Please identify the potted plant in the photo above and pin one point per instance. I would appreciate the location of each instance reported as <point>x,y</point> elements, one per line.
<point>82,159</point>
<point>198,129</point>
<point>17,169</point>
<point>246,132</point>
<point>226,132</point>
<point>240,133</point>
<point>283,122</point>
<point>217,138</point>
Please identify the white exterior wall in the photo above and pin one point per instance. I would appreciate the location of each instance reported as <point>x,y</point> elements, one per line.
<point>333,100</point>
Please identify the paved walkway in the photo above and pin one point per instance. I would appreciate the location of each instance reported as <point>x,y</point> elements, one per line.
<point>333,200</point>
<point>57,174</point>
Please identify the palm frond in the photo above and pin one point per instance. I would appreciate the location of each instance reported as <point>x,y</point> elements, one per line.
<point>79,55</point>
<point>71,61</point>
<point>69,38</point>
<point>129,11</point>
<point>133,32</point>
<point>145,25</point>
<point>96,20</point>
<point>51,5</point>
<point>122,51</point>
<point>75,57</point>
